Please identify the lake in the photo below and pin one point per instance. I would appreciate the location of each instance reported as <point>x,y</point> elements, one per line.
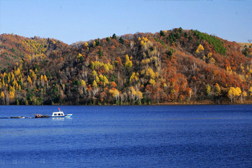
<point>127,136</point>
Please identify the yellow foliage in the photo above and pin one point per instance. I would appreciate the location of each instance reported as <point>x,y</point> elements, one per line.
<point>132,77</point>
<point>94,73</point>
<point>79,55</point>
<point>233,92</point>
<point>12,76</point>
<point>12,95</point>
<point>145,39</point>
<point>97,79</point>
<point>33,75</point>
<point>142,72</point>
<point>212,60</point>
<point>106,67</point>
<point>153,59</point>
<point>29,79</point>
<point>217,89</point>
<point>101,77</point>
<point>94,84</point>
<point>3,83</point>
<point>86,44</point>
<point>152,81</point>
<point>200,48</point>
<point>136,78</point>
<point>238,91</point>
<point>92,65</point>
<point>244,94</point>
<point>150,73</point>
<point>17,72</point>
<point>241,66</point>
<point>4,74</point>
<point>143,62</point>
<point>139,94</point>
<point>11,89</point>
<point>228,69</point>
<point>9,78</point>
<point>2,94</point>
<point>45,78</point>
<point>209,55</point>
<point>105,80</point>
<point>14,83</point>
<point>250,90</point>
<point>142,43</point>
<point>110,66</point>
<point>208,89</point>
<point>94,44</point>
<point>133,90</point>
<point>114,92</point>
<point>139,38</point>
<point>83,83</point>
<point>128,62</point>
<point>98,64</point>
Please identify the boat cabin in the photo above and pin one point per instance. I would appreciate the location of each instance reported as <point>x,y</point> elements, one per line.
<point>59,113</point>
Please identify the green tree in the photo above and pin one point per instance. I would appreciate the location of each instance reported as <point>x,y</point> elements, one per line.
<point>169,54</point>
<point>190,37</point>
<point>180,30</point>
<point>48,74</point>
<point>162,33</point>
<point>185,34</point>
<point>100,53</point>
<point>121,40</point>
<point>177,36</point>
<point>114,36</point>
<point>97,41</point>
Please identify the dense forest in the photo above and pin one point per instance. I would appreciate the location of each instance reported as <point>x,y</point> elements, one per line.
<point>169,67</point>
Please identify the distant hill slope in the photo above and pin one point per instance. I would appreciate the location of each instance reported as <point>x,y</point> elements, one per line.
<point>175,66</point>
<point>14,48</point>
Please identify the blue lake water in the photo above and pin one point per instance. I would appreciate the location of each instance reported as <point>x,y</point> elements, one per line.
<point>127,136</point>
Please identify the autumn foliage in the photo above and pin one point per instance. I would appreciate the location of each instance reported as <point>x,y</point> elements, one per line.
<point>171,66</point>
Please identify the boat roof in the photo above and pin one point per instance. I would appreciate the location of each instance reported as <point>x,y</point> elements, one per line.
<point>58,112</point>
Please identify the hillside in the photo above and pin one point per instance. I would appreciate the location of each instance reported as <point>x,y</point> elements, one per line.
<point>175,66</point>
<point>14,48</point>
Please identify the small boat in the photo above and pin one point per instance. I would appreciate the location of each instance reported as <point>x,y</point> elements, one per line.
<point>18,117</point>
<point>60,114</point>
<point>41,116</point>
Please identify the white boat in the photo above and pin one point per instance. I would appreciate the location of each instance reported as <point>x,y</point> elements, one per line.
<point>60,114</point>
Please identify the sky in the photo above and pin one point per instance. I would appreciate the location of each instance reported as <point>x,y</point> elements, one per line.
<point>72,21</point>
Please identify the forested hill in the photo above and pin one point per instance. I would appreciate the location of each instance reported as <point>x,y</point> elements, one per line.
<point>175,66</point>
